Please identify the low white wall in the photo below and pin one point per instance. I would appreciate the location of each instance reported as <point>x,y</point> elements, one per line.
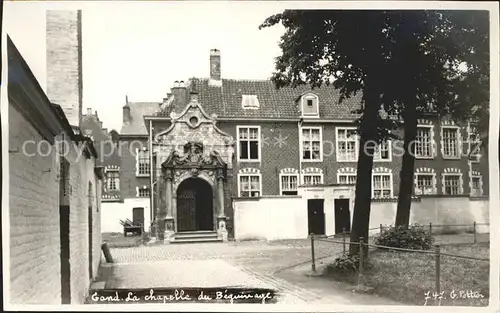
<point>277,217</point>
<point>382,213</point>
<point>113,212</point>
<point>270,218</point>
<point>438,211</point>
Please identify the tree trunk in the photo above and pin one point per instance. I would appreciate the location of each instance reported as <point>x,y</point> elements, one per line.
<point>408,167</point>
<point>363,194</point>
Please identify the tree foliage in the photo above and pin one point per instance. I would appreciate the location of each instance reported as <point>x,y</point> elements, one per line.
<point>408,62</point>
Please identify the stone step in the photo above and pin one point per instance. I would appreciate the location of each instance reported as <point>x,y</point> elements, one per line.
<point>195,240</point>
<point>196,232</point>
<point>195,235</point>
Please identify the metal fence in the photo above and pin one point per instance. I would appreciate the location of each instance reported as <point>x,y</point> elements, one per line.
<point>434,259</point>
<point>441,229</point>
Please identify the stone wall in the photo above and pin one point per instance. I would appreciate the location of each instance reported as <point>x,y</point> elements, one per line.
<point>34,218</point>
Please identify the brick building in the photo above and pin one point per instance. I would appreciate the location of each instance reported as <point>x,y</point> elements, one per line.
<point>54,197</point>
<point>221,145</point>
<point>106,143</point>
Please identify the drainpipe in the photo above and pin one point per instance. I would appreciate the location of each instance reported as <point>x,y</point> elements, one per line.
<point>299,125</point>
<point>151,191</point>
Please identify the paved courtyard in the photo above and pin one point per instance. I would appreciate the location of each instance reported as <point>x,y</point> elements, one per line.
<point>274,265</point>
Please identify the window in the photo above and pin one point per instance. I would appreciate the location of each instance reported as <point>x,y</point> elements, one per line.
<point>143,167</point>
<point>476,186</point>
<point>382,185</point>
<point>347,145</point>
<point>313,179</point>
<point>248,143</point>
<point>450,142</point>
<point>310,105</point>
<point>474,144</point>
<point>424,184</point>
<point>452,184</point>
<point>423,142</point>
<point>249,185</point>
<point>288,184</point>
<point>311,144</point>
<point>113,180</point>
<point>249,102</point>
<point>346,179</point>
<point>143,192</point>
<point>383,151</point>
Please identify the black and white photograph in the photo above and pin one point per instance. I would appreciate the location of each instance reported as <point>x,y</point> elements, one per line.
<point>250,156</point>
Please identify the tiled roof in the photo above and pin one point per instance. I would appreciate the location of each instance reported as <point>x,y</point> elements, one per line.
<point>138,110</point>
<point>225,101</point>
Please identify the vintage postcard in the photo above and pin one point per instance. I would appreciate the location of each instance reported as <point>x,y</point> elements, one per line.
<point>250,156</point>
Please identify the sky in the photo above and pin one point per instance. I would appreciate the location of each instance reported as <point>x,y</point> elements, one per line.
<point>140,49</point>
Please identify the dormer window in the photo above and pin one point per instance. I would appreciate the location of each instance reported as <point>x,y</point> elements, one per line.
<point>249,102</point>
<point>309,103</point>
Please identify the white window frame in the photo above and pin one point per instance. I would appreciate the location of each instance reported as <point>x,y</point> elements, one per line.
<point>301,143</point>
<point>431,138</point>
<point>356,145</point>
<point>296,175</point>
<point>472,144</point>
<point>311,171</point>
<point>137,191</point>
<point>460,183</point>
<point>259,145</point>
<point>377,157</point>
<point>391,183</point>
<point>347,175</point>
<point>248,174</point>
<point>250,102</point>
<point>137,151</point>
<point>315,99</point>
<point>108,182</point>
<point>458,142</point>
<point>481,191</point>
<point>321,179</point>
<point>433,183</point>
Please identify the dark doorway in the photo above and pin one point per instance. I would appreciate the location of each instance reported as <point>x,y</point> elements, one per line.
<point>194,205</point>
<point>64,212</point>
<point>342,216</point>
<point>90,230</point>
<point>316,216</point>
<point>138,216</point>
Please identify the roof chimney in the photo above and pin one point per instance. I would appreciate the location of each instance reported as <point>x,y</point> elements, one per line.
<point>215,73</point>
<point>126,112</point>
<point>64,62</point>
<point>180,93</point>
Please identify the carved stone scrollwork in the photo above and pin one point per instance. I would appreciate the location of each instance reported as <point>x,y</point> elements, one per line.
<point>195,171</point>
<point>220,174</point>
<point>194,156</point>
<point>169,174</point>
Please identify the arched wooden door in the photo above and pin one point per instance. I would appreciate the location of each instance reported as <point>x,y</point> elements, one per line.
<point>194,205</point>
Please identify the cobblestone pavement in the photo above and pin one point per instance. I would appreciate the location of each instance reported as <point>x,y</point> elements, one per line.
<point>249,264</point>
<point>281,265</point>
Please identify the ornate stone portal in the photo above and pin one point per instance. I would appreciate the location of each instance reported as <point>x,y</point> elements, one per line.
<point>193,163</point>
<point>192,149</point>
